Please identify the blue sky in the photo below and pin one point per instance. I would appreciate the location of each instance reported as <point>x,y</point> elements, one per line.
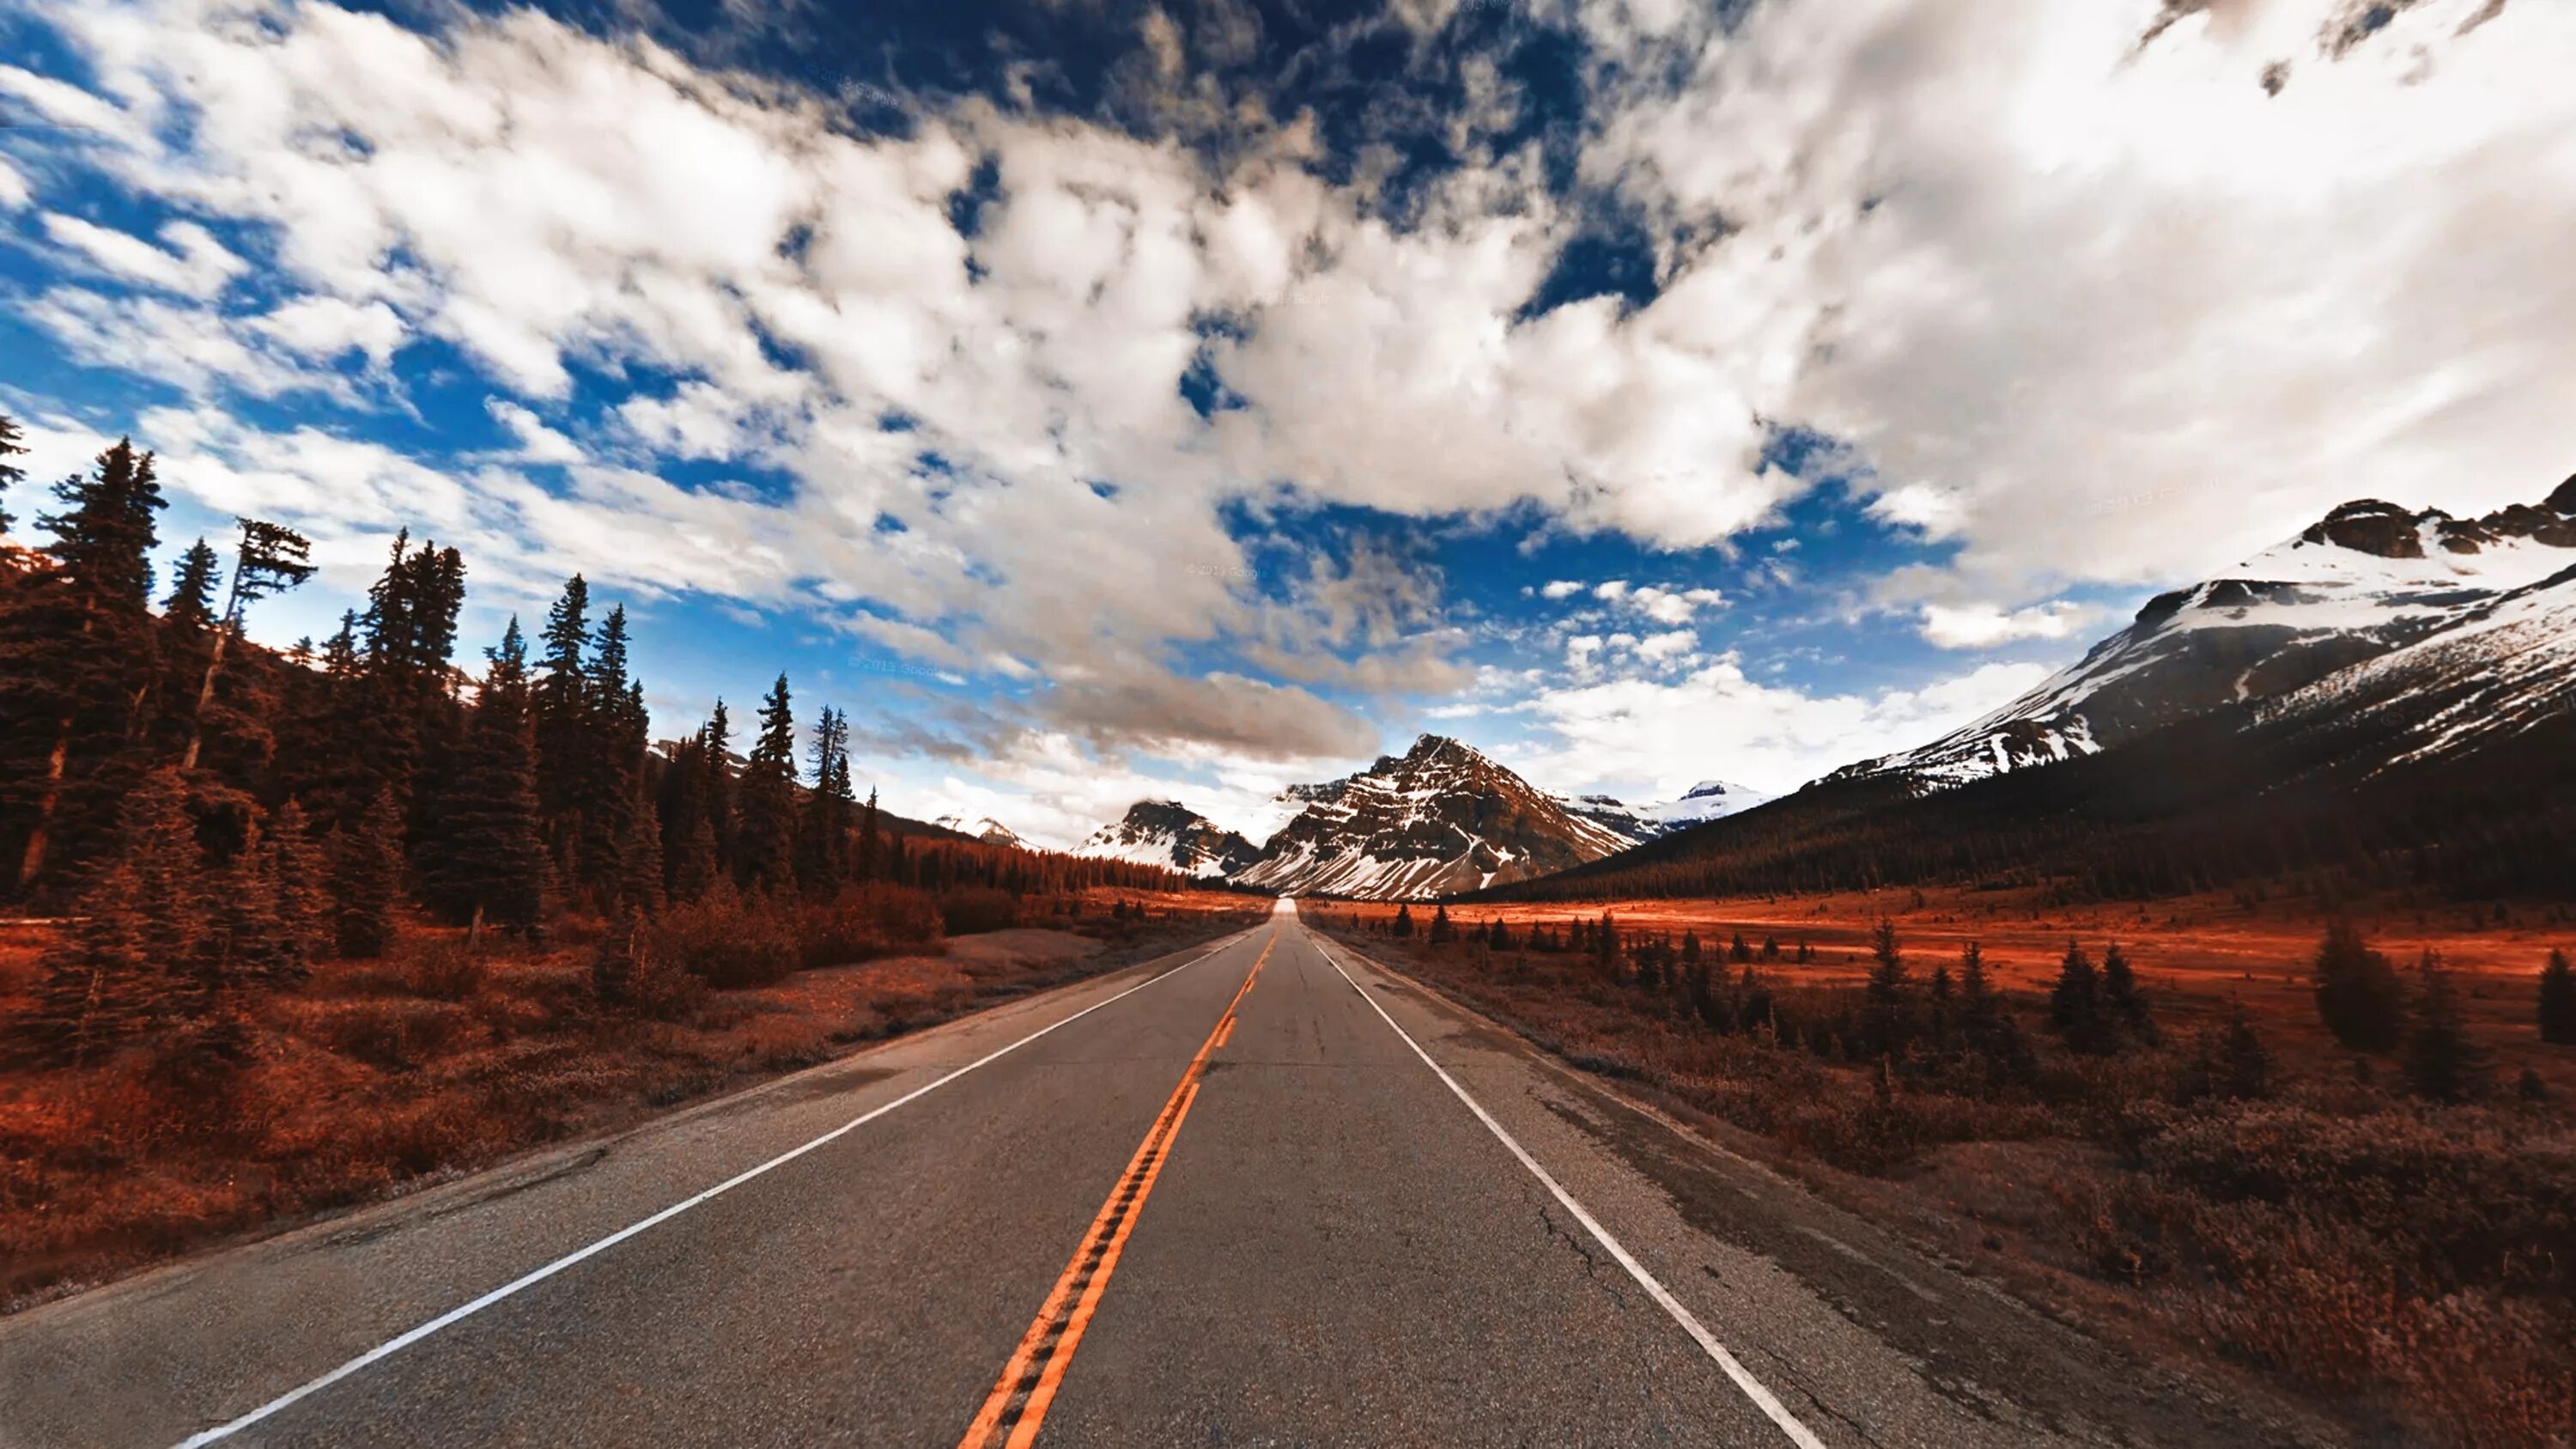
<point>1101,399</point>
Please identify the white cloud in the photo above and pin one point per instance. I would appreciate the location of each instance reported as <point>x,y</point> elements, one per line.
<point>323,328</point>
<point>2029,265</point>
<point>15,193</point>
<point>1673,644</point>
<point>1716,723</point>
<point>1983,626</point>
<point>1938,512</point>
<point>2019,262</point>
<point>192,263</point>
<point>538,443</point>
<point>700,420</point>
<point>188,346</point>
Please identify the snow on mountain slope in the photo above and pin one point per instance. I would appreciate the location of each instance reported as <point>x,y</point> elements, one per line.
<point>984,828</point>
<point>1707,800</point>
<point>1169,834</point>
<point>1437,819</point>
<point>2368,579</point>
<point>2507,664</point>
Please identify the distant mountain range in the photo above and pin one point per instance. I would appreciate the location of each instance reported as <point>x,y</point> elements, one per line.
<point>2368,580</point>
<point>1170,834</point>
<point>984,828</point>
<point>1439,818</point>
<point>2389,698</point>
<point>2305,679</point>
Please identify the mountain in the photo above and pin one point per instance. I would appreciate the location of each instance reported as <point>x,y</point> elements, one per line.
<point>984,828</point>
<point>1437,819</point>
<point>2367,580</point>
<point>1707,800</point>
<point>2441,758</point>
<point>1170,834</point>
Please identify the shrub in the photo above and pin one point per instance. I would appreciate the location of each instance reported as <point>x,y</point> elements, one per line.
<point>395,1035</point>
<point>865,921</point>
<point>729,942</point>
<point>2442,1063</point>
<point>442,971</point>
<point>2358,994</point>
<point>974,909</point>
<point>2558,1001</point>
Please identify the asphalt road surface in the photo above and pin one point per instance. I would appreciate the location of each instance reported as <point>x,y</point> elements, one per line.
<point>1260,1193</point>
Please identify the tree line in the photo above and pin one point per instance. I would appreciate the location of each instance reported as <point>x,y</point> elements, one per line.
<point>216,816</point>
<point>2093,1008</point>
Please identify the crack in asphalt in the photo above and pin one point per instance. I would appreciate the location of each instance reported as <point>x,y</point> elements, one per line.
<point>1547,1220</point>
<point>1788,1374</point>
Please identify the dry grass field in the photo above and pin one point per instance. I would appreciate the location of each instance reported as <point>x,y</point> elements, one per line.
<point>2241,1189</point>
<point>2201,954</point>
<point>372,1077</point>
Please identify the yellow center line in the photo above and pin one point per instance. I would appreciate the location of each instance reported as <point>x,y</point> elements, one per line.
<point>1018,1403</point>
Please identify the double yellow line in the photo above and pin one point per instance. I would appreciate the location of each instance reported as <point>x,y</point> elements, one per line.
<point>1018,1403</point>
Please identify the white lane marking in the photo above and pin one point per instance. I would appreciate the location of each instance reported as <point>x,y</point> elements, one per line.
<point>1752,1387</point>
<point>396,1345</point>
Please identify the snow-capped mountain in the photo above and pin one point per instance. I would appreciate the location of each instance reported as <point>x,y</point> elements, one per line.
<point>2502,667</point>
<point>1438,818</point>
<point>2369,582</point>
<point>1169,834</point>
<point>984,828</point>
<point>1707,800</point>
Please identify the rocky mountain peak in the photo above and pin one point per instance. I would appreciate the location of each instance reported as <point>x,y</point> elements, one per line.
<point>2372,527</point>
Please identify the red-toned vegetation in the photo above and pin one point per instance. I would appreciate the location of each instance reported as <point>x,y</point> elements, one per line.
<point>368,1076</point>
<point>2148,1119</point>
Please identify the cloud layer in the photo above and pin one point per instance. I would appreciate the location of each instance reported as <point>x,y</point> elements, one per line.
<point>2086,295</point>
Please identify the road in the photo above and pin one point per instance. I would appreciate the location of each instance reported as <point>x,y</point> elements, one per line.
<point>1218,1199</point>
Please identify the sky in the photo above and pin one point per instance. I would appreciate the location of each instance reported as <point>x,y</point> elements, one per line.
<point>1103,400</point>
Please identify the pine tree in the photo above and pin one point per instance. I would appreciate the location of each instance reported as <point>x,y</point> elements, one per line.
<point>822,855</point>
<point>2358,994</point>
<point>2230,1061</point>
<point>95,990</point>
<point>270,559</point>
<point>1885,995</point>
<point>2122,1000</point>
<point>121,975</point>
<point>366,878</point>
<point>246,940</point>
<point>561,701</point>
<point>321,746</point>
<point>409,627</point>
<point>765,814</point>
<point>12,445</point>
<point>1442,930</point>
<point>2075,1003</point>
<point>492,867</point>
<point>639,856</point>
<point>1403,921</point>
<point>78,658</point>
<point>1979,1008</point>
<point>867,850</point>
<point>191,603</point>
<point>2558,1001</point>
<point>716,796</point>
<point>2443,1063</point>
<point>618,728</point>
<point>305,910</point>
